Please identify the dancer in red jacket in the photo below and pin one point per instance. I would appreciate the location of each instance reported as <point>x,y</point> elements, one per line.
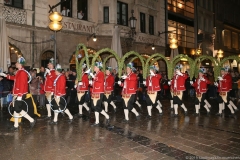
<point>224,87</point>
<point>178,85</point>
<point>58,104</point>
<point>200,86</point>
<point>50,76</point>
<point>82,89</point>
<point>97,93</point>
<point>20,89</point>
<point>129,92</point>
<point>153,86</point>
<point>108,89</point>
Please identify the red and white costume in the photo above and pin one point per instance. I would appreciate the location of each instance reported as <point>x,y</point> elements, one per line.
<point>85,83</point>
<point>98,83</point>
<point>178,82</point>
<point>225,85</point>
<point>153,83</point>
<point>200,85</point>
<point>109,82</point>
<point>60,85</point>
<point>48,85</point>
<point>130,84</point>
<point>20,82</point>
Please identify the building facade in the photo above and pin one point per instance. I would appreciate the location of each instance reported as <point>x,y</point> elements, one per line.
<point>27,26</point>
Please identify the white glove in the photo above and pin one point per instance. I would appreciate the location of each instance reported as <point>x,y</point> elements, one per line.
<point>90,82</point>
<point>215,83</point>
<point>91,74</point>
<point>80,83</point>
<point>202,79</point>
<point>119,82</point>
<point>47,70</point>
<point>75,86</point>
<point>179,73</point>
<point>3,74</point>
<point>19,98</point>
<point>220,78</point>
<point>88,71</point>
<point>51,93</point>
<point>124,77</point>
<point>151,73</point>
<point>191,82</point>
<point>57,97</point>
<point>169,83</point>
<point>144,82</point>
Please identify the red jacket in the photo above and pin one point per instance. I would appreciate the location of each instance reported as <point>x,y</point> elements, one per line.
<point>201,85</point>
<point>109,82</point>
<point>226,84</point>
<point>130,84</point>
<point>98,83</point>
<point>153,82</point>
<point>48,86</point>
<point>20,86</point>
<point>60,85</point>
<point>178,82</point>
<point>85,81</point>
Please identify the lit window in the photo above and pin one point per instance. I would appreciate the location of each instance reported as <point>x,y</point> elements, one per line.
<point>82,9</point>
<point>66,8</point>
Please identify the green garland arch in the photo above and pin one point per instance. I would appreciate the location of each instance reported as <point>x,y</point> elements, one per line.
<point>150,58</point>
<point>105,61</point>
<point>106,50</point>
<point>127,55</point>
<point>198,61</point>
<point>176,59</point>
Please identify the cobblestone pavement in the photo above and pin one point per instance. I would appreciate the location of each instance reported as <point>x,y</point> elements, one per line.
<point>165,137</point>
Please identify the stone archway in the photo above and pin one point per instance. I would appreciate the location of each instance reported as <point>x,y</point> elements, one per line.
<point>45,57</point>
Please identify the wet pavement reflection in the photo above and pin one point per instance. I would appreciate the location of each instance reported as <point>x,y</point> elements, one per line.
<point>165,137</point>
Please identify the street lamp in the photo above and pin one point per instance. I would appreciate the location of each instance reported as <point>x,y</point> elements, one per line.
<point>173,43</point>
<point>55,25</point>
<point>133,21</point>
<point>220,53</point>
<point>153,47</point>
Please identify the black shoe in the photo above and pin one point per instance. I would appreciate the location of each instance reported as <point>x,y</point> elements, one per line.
<point>171,109</point>
<point>138,117</point>
<point>232,115</point>
<point>125,121</point>
<point>52,122</point>
<point>108,121</point>
<point>196,114</point>
<point>140,108</point>
<point>79,115</point>
<point>208,113</point>
<point>175,115</point>
<point>70,121</point>
<point>186,112</point>
<point>160,114</point>
<point>14,128</point>
<point>89,111</point>
<point>219,114</point>
<point>47,118</point>
<point>32,124</point>
<point>115,110</point>
<point>236,110</point>
<point>149,117</point>
<point>95,125</point>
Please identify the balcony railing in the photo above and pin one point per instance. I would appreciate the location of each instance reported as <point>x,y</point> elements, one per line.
<point>15,15</point>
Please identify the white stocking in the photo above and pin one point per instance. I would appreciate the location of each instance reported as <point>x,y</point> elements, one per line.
<point>159,109</point>
<point>231,109</point>
<point>206,107</point>
<point>96,117</point>
<point>197,108</point>
<point>149,109</point>
<point>55,117</point>
<point>184,108</point>
<point>139,105</point>
<point>171,101</point>
<point>106,106</point>
<point>114,106</point>
<point>48,110</point>
<point>80,109</point>
<point>85,105</point>
<point>105,114</point>
<point>175,108</point>
<point>233,105</point>
<point>25,115</point>
<point>135,112</point>
<point>206,102</point>
<point>15,114</point>
<point>126,112</point>
<point>69,114</point>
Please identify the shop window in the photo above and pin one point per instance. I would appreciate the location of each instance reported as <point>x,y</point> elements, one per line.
<point>14,3</point>
<point>82,9</point>
<point>66,8</point>
<point>226,38</point>
<point>122,13</point>
<point>142,23</point>
<point>105,14</point>
<point>234,40</point>
<point>151,25</point>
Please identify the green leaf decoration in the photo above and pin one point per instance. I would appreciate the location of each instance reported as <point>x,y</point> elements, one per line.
<point>156,55</point>
<point>122,65</point>
<point>198,61</point>
<point>111,52</point>
<point>105,61</point>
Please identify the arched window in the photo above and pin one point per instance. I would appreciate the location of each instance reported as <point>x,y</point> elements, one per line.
<point>45,57</point>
